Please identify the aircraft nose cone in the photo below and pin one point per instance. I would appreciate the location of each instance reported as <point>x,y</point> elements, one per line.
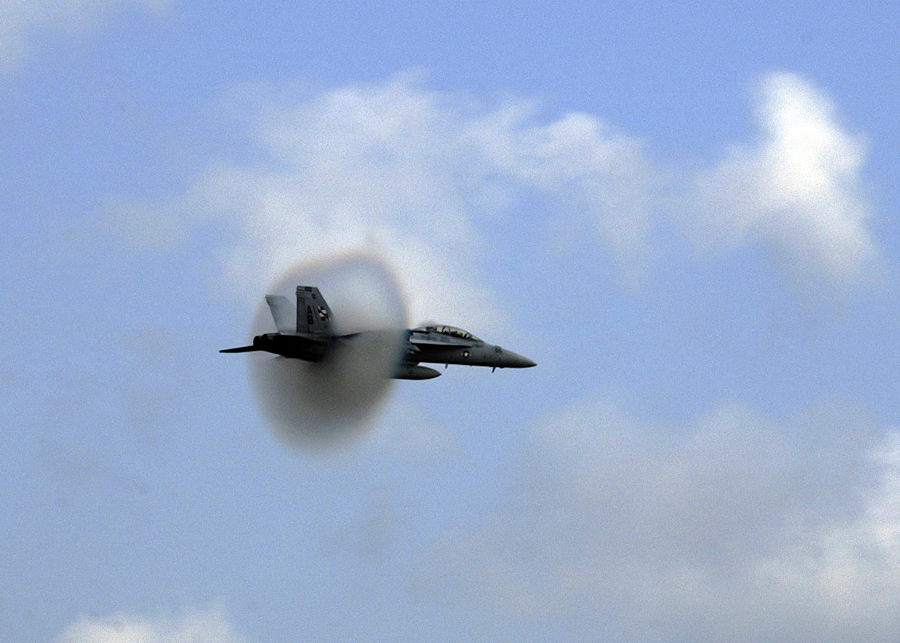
<point>514,360</point>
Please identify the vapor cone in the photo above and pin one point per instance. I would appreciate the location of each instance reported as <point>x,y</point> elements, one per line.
<point>326,403</point>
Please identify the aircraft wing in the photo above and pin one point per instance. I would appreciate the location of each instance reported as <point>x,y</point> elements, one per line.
<point>240,349</point>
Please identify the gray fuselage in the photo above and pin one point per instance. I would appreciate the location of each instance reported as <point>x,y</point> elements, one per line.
<point>448,345</point>
<point>306,332</point>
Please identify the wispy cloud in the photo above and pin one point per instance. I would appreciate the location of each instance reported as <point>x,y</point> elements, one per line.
<point>20,18</point>
<point>411,174</point>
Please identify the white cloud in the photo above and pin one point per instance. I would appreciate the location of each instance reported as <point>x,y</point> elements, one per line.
<point>799,188</point>
<point>581,159</point>
<point>411,174</point>
<point>198,627</point>
<point>19,18</point>
<point>737,529</point>
<point>421,177</point>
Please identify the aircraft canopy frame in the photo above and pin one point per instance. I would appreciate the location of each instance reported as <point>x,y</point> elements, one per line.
<point>449,331</point>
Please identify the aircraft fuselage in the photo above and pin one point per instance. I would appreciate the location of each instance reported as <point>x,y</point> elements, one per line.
<point>314,340</point>
<point>435,348</point>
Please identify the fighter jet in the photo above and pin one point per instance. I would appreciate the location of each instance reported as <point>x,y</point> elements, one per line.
<point>313,340</point>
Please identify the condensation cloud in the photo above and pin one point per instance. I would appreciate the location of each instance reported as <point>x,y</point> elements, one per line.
<point>329,402</point>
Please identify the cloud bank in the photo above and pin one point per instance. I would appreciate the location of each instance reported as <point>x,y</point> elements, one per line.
<point>20,18</point>
<point>737,528</point>
<point>421,177</point>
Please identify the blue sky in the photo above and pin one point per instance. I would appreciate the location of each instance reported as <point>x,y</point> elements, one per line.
<point>684,213</point>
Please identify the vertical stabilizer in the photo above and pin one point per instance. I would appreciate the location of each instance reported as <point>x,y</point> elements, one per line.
<point>313,314</point>
<point>282,313</point>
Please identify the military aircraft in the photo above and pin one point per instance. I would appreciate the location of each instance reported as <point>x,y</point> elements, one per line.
<point>313,340</point>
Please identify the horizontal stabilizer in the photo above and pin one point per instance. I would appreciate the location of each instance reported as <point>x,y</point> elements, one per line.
<point>240,349</point>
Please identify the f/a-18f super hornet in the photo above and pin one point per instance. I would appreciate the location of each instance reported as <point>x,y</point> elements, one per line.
<point>314,339</point>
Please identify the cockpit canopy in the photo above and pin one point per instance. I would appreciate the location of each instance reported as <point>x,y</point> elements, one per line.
<point>450,331</point>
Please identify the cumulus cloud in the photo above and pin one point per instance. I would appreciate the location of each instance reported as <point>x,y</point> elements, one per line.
<point>737,528</point>
<point>198,627</point>
<point>412,174</point>
<point>798,189</point>
<point>19,19</point>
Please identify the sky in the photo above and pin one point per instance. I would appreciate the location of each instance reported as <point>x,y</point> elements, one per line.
<point>683,212</point>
